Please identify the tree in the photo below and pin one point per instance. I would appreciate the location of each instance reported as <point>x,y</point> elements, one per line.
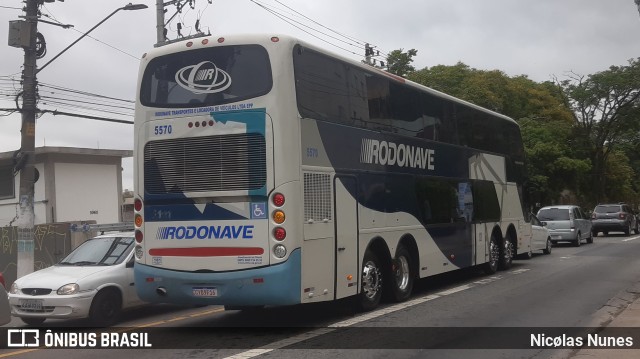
<point>399,62</point>
<point>606,112</point>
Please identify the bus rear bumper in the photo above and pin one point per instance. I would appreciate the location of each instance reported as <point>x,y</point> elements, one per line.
<point>273,285</point>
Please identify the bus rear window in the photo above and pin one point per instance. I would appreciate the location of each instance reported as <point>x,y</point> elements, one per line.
<point>205,77</point>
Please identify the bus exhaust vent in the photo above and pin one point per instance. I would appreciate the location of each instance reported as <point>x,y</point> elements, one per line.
<point>317,197</point>
<point>201,164</point>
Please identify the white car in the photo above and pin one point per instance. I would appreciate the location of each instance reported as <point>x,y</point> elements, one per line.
<point>95,280</point>
<point>541,239</point>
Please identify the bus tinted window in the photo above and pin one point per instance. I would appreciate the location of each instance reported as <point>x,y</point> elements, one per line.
<point>204,77</point>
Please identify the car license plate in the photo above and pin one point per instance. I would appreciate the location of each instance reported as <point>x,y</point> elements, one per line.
<point>556,237</point>
<point>31,304</point>
<point>205,291</point>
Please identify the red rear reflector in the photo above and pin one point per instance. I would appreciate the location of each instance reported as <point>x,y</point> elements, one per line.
<point>258,280</point>
<point>137,204</point>
<point>139,236</point>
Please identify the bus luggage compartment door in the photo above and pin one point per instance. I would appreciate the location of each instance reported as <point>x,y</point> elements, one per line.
<point>346,236</point>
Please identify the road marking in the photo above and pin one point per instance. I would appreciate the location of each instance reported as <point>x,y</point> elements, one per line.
<point>364,317</point>
<point>6,355</point>
<point>630,239</point>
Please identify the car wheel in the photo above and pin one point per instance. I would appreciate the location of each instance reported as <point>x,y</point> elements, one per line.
<point>578,241</point>
<point>402,275</point>
<point>547,250</point>
<point>494,256</point>
<point>590,238</point>
<point>605,233</point>
<point>105,308</point>
<point>636,230</point>
<point>627,231</point>
<point>371,290</point>
<point>32,321</point>
<point>594,233</point>
<point>527,255</point>
<point>506,255</point>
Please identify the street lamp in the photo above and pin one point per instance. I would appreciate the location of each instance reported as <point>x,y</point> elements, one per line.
<point>129,6</point>
<point>25,218</point>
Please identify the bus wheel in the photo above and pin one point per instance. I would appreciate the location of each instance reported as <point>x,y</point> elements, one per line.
<point>402,275</point>
<point>371,282</point>
<point>506,254</point>
<point>494,255</point>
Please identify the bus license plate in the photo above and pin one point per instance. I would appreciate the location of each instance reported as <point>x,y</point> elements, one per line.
<point>205,292</point>
<point>31,304</point>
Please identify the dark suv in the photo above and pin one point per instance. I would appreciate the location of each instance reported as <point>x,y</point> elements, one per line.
<point>617,217</point>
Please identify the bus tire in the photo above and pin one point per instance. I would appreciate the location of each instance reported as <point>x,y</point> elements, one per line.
<point>402,275</point>
<point>371,279</point>
<point>494,256</point>
<point>506,254</point>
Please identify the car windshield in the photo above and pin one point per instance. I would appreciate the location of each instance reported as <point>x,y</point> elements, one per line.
<point>100,251</point>
<point>607,209</point>
<point>553,214</point>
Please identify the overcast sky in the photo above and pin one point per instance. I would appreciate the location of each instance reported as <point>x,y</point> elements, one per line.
<point>537,38</point>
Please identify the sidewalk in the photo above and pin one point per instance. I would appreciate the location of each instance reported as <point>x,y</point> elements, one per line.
<point>621,311</point>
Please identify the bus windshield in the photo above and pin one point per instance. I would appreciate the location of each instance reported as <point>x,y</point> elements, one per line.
<point>205,77</point>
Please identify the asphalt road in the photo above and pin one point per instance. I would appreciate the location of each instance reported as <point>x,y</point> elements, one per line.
<point>572,287</point>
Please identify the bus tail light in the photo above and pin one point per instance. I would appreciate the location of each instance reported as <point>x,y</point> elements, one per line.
<point>279,234</point>
<point>139,236</point>
<point>280,251</point>
<point>278,199</point>
<point>278,216</point>
<point>137,204</point>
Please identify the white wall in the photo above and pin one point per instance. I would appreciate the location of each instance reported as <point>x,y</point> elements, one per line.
<point>86,192</point>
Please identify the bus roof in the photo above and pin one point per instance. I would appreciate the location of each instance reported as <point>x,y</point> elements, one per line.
<point>292,41</point>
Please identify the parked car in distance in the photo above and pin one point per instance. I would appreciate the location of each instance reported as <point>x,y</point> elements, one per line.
<point>5,310</point>
<point>566,223</point>
<point>541,239</point>
<point>95,280</point>
<point>614,217</point>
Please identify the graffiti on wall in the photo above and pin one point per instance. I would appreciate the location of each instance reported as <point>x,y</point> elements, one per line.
<point>51,243</point>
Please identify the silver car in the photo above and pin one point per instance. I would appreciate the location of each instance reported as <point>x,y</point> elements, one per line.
<point>95,280</point>
<point>566,223</point>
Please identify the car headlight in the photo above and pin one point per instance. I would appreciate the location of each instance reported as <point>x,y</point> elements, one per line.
<point>71,288</point>
<point>14,289</point>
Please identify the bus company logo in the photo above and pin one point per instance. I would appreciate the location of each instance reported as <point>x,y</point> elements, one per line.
<point>204,77</point>
<point>388,153</point>
<point>206,232</point>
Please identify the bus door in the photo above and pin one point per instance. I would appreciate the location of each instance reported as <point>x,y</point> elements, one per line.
<point>481,244</point>
<point>346,236</point>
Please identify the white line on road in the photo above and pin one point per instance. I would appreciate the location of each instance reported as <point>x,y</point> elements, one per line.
<point>364,317</point>
<point>630,239</point>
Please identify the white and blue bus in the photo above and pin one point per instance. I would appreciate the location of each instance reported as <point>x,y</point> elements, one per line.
<point>270,172</point>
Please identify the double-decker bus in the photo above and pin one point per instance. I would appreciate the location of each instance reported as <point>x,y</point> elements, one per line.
<point>270,172</point>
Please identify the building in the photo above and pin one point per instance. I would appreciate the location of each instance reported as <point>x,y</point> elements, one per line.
<point>73,184</point>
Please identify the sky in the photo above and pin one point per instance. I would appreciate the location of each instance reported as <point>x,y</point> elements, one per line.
<point>541,39</point>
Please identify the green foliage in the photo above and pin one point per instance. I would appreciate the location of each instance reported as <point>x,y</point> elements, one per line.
<point>399,62</point>
<point>606,108</point>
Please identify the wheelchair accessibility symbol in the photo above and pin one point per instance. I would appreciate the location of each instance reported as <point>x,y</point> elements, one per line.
<point>258,210</point>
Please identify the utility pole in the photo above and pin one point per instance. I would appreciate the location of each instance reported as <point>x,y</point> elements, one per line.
<point>160,23</point>
<point>26,157</point>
